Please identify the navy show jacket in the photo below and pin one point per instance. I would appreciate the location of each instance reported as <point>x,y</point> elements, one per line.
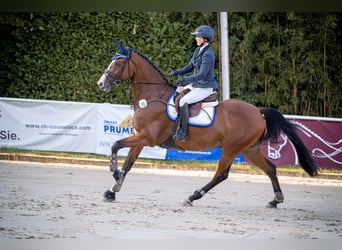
<point>202,63</point>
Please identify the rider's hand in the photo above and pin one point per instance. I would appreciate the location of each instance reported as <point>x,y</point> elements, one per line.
<point>174,73</point>
<point>181,81</point>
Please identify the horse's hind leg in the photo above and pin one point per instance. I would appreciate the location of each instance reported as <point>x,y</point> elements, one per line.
<point>253,153</point>
<point>119,175</point>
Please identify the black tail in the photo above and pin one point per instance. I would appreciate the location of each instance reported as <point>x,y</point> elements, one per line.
<point>275,123</point>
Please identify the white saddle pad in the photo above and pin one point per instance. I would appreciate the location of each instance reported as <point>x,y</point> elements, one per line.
<point>205,117</point>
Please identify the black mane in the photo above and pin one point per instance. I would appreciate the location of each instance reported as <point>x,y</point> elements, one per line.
<point>152,64</point>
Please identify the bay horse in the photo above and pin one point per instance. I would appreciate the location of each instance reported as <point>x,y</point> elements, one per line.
<point>239,127</point>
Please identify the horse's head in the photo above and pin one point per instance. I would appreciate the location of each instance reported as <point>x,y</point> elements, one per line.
<point>117,70</point>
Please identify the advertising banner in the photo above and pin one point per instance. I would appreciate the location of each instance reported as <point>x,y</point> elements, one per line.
<point>94,128</point>
<point>210,155</point>
<point>47,125</point>
<point>322,137</point>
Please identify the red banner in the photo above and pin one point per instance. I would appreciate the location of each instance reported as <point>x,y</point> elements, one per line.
<point>323,138</point>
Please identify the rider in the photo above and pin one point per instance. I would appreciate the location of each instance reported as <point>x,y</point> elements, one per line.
<point>203,80</point>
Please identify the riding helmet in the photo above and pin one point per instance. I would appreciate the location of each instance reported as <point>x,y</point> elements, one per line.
<point>205,31</point>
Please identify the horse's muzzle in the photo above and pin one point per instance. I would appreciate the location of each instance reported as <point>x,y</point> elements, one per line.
<point>103,84</point>
<point>103,87</point>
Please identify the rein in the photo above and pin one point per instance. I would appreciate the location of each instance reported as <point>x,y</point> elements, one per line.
<point>134,82</point>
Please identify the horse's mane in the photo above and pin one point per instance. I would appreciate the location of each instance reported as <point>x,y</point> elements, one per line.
<point>152,64</point>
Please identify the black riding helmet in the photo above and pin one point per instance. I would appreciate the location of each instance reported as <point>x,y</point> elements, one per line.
<point>206,32</point>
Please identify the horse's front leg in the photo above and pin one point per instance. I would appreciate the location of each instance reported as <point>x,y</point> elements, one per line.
<point>119,174</point>
<point>113,167</point>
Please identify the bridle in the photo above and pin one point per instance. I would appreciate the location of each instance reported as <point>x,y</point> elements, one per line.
<point>114,79</point>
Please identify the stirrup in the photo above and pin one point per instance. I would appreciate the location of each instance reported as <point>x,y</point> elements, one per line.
<point>174,134</point>
<point>175,129</point>
<point>180,136</point>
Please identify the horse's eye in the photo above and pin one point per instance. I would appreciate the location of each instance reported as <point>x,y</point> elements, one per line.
<point>119,64</point>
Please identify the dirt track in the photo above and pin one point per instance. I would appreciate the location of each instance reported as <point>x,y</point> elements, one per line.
<point>65,201</point>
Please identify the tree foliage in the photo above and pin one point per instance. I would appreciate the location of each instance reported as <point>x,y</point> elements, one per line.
<point>289,61</point>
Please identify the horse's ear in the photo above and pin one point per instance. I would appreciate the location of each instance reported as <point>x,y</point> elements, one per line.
<point>118,44</point>
<point>121,49</point>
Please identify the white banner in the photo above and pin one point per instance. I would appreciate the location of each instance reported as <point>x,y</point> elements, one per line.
<point>47,125</point>
<point>67,126</point>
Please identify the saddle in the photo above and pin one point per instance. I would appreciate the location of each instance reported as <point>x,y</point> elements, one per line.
<point>195,108</point>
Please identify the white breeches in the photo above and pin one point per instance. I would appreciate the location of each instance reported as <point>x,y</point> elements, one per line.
<point>195,95</point>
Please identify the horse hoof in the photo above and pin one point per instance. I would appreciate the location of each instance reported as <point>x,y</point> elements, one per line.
<point>187,203</point>
<point>272,204</point>
<point>109,196</point>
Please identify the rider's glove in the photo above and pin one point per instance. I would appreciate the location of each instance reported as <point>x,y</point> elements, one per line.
<point>174,73</point>
<point>181,81</point>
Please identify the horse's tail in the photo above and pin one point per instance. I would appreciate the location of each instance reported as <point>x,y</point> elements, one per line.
<point>275,123</point>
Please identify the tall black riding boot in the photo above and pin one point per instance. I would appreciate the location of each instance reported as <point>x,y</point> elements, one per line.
<point>184,120</point>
